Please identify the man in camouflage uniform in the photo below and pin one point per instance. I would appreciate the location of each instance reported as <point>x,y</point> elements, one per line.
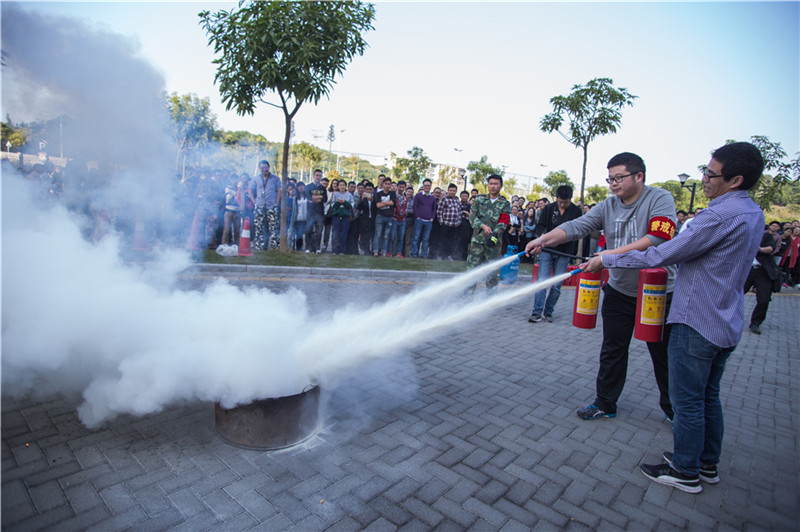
<point>489,217</point>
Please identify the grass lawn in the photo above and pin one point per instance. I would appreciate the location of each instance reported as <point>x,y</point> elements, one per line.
<point>324,260</point>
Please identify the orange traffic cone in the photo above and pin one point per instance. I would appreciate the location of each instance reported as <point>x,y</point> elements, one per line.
<point>244,241</point>
<point>194,234</point>
<point>139,237</point>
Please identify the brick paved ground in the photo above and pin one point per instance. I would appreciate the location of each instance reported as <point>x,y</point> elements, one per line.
<point>473,430</point>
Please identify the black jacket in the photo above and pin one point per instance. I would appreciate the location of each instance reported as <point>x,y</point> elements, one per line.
<point>766,259</point>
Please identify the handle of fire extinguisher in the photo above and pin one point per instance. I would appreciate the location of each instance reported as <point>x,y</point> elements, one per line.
<point>554,252</point>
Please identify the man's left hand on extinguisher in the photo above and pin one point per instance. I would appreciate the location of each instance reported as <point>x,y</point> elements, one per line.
<point>593,265</point>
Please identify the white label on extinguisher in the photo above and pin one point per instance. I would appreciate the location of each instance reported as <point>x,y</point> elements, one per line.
<point>654,298</point>
<point>588,297</point>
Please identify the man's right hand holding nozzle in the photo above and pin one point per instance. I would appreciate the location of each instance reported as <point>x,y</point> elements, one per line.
<point>553,238</point>
<point>534,247</point>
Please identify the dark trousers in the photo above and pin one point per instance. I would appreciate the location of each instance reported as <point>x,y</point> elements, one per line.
<point>619,319</point>
<point>464,236</point>
<point>435,241</point>
<point>366,230</point>
<point>758,277</point>
<point>314,232</point>
<point>448,239</point>
<point>352,237</point>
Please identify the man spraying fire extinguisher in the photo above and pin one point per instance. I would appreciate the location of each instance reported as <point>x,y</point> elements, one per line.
<point>715,254</point>
<point>636,217</point>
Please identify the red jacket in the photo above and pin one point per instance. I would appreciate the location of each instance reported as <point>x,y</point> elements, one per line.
<point>791,252</point>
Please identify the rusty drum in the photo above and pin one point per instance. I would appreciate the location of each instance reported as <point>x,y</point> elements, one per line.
<point>270,424</point>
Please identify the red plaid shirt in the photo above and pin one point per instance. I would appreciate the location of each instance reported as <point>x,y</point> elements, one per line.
<point>449,211</point>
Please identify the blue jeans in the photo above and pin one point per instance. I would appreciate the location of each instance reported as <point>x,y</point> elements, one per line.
<point>695,369</point>
<point>422,229</point>
<point>397,237</point>
<point>383,228</point>
<point>298,232</point>
<point>341,224</point>
<point>549,266</point>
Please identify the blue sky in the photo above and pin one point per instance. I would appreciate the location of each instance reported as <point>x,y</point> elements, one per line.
<point>479,76</point>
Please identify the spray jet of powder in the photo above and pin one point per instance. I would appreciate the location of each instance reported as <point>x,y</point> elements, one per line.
<point>421,327</point>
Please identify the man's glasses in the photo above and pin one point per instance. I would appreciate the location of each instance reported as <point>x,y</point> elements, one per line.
<point>709,175</point>
<point>619,178</point>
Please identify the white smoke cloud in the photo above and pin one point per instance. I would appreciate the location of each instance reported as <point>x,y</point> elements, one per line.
<point>78,319</point>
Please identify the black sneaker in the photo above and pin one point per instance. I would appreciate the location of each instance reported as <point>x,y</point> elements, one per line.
<point>548,318</point>
<point>591,412</point>
<point>755,329</point>
<point>664,474</point>
<point>535,318</point>
<point>708,473</point>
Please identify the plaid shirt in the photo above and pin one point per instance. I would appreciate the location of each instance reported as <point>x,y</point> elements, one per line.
<point>449,211</point>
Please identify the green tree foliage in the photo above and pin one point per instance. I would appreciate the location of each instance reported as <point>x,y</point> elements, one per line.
<point>537,191</point>
<point>682,195</point>
<point>412,168</point>
<point>555,180</point>
<point>191,125</point>
<point>292,49</point>
<point>596,194</point>
<point>306,157</point>
<point>480,170</point>
<point>592,110</point>
<point>18,135</point>
<point>771,186</point>
<point>242,139</point>
<point>509,186</point>
<point>448,174</point>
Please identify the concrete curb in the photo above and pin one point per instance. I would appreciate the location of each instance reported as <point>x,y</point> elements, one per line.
<point>299,271</point>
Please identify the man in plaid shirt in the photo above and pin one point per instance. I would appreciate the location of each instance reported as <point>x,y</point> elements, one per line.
<point>449,215</point>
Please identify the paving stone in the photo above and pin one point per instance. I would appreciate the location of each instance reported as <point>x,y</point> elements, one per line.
<point>153,500</point>
<point>422,511</point>
<point>380,525</point>
<point>162,521</point>
<point>118,498</point>
<point>83,519</point>
<point>222,504</point>
<point>276,522</point>
<point>17,504</point>
<point>43,520</point>
<point>397,514</point>
<point>484,511</point>
<point>204,520</point>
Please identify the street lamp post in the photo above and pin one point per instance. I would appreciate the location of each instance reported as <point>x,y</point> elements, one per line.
<point>459,150</point>
<point>338,144</point>
<point>684,177</point>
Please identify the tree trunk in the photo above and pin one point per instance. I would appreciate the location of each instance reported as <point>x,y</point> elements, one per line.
<point>285,180</point>
<point>583,175</point>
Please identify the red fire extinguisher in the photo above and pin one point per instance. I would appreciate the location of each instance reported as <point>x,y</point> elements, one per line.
<point>651,304</point>
<point>587,300</point>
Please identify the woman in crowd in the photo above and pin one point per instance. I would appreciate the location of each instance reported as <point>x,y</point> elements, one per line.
<point>789,261</point>
<point>340,210</point>
<point>409,194</point>
<point>528,224</point>
<point>511,235</point>
<point>246,200</point>
<point>397,236</point>
<point>326,232</point>
<point>297,223</point>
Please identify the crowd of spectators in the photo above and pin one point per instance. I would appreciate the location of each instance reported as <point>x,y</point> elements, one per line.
<point>388,218</point>
<point>383,219</point>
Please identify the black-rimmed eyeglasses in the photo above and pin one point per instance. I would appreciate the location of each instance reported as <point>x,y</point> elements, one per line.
<point>619,178</point>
